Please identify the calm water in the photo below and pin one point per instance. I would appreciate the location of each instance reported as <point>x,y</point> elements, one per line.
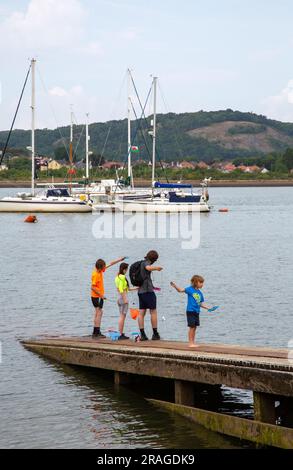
<point>246,258</point>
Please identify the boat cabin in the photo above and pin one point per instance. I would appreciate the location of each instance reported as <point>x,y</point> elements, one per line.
<point>57,192</point>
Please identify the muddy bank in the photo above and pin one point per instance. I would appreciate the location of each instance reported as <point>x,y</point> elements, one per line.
<point>146,183</point>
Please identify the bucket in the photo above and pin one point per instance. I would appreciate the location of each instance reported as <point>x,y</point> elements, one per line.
<point>134,312</point>
<point>135,336</point>
<point>113,335</point>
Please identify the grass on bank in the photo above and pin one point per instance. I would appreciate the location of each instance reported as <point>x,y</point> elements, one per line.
<point>144,172</point>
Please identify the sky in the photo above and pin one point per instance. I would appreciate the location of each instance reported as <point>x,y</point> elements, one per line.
<point>207,54</point>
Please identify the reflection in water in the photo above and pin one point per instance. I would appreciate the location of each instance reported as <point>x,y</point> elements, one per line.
<point>125,419</point>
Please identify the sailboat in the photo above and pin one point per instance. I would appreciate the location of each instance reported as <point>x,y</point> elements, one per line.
<point>105,191</point>
<point>51,199</point>
<point>101,191</point>
<point>163,197</point>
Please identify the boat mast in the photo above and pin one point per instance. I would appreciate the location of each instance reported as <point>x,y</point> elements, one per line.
<point>87,138</point>
<point>154,129</point>
<point>129,127</point>
<point>33,64</point>
<point>71,148</point>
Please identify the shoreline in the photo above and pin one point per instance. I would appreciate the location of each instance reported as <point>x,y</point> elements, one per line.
<point>145,183</point>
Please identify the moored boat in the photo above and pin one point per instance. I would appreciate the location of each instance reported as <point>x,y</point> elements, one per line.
<point>161,197</point>
<point>52,199</point>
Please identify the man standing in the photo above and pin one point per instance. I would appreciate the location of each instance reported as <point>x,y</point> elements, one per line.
<point>147,296</point>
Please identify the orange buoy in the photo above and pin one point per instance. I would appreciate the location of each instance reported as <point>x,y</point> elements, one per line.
<point>31,219</point>
<point>134,312</point>
<point>224,209</point>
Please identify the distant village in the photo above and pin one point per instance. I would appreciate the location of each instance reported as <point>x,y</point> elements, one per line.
<point>44,164</point>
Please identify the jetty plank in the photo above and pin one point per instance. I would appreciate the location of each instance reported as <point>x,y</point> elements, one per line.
<point>257,369</point>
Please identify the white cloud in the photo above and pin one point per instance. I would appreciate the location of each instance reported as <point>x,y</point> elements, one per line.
<point>74,92</point>
<point>55,111</point>
<point>44,24</point>
<point>58,91</point>
<point>279,106</point>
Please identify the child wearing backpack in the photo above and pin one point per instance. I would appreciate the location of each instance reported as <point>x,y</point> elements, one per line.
<point>195,300</point>
<point>140,275</point>
<point>123,288</point>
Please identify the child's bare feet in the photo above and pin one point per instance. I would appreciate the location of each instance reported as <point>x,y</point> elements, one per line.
<point>193,345</point>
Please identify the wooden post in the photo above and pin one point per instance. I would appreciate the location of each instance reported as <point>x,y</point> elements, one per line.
<point>264,407</point>
<point>285,411</point>
<point>120,378</point>
<point>184,392</point>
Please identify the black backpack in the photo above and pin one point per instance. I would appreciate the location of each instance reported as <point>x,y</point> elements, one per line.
<point>135,274</point>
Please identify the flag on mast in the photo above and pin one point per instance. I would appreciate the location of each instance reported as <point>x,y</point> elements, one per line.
<point>134,149</point>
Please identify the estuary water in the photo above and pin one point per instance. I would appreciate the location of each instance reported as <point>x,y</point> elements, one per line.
<point>246,258</point>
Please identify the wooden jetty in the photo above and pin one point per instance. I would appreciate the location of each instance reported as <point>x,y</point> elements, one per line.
<point>268,373</point>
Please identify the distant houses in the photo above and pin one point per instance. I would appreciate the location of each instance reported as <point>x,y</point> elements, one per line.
<point>223,167</point>
<point>202,166</point>
<point>45,164</point>
<point>187,165</point>
<point>228,167</point>
<point>113,166</point>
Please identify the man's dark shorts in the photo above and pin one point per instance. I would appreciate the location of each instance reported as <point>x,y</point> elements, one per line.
<point>97,302</point>
<point>192,319</point>
<point>147,300</point>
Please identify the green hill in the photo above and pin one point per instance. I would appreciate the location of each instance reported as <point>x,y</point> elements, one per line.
<point>202,135</point>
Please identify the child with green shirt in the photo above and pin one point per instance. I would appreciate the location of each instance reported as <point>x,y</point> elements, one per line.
<point>122,286</point>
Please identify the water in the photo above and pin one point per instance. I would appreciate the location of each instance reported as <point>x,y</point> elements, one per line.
<point>246,258</point>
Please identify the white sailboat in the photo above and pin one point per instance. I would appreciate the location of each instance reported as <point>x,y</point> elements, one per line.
<point>163,198</point>
<point>51,199</point>
<point>106,190</point>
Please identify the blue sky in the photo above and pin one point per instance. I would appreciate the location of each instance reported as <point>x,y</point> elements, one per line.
<point>207,54</point>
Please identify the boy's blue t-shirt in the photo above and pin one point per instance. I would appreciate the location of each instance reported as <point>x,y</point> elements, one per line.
<point>194,299</point>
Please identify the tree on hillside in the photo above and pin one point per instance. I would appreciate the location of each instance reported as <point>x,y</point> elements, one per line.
<point>279,165</point>
<point>288,159</point>
<point>60,153</point>
<point>20,163</point>
<point>175,138</point>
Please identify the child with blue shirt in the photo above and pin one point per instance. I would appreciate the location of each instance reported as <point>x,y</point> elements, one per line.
<point>195,301</point>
